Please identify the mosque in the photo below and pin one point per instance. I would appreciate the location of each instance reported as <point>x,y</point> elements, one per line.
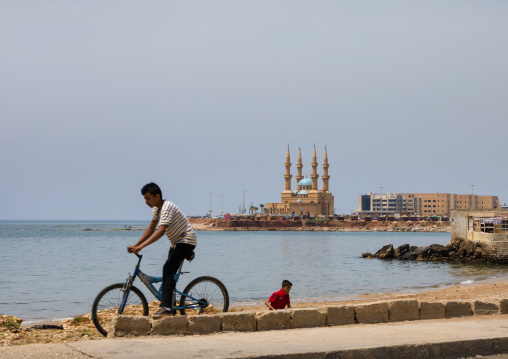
<point>307,199</point>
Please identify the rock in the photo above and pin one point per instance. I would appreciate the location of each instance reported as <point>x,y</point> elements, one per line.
<point>386,252</point>
<point>439,249</point>
<point>401,250</point>
<point>9,322</point>
<point>422,253</point>
<point>454,251</point>
<point>407,256</point>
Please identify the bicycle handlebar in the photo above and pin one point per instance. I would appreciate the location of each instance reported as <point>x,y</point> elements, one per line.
<point>140,257</point>
<point>137,255</point>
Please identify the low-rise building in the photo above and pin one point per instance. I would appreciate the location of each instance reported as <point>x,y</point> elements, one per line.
<point>489,228</point>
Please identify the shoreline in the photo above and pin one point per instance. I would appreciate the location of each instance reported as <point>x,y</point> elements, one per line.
<point>212,224</point>
<point>311,303</point>
<point>81,328</point>
<point>485,290</point>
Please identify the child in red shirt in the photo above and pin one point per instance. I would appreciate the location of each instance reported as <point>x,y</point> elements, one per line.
<point>280,299</point>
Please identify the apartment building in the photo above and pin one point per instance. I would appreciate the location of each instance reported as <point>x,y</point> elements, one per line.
<point>425,204</point>
<point>442,203</point>
<point>379,204</point>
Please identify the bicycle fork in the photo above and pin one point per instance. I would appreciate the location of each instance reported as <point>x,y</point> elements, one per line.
<point>128,285</point>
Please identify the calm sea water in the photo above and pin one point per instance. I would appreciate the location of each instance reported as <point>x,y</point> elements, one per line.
<point>51,270</point>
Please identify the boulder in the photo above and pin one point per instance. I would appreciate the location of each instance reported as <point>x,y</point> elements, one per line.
<point>439,249</point>
<point>407,256</point>
<point>386,252</point>
<point>454,251</point>
<point>401,250</point>
<point>422,253</point>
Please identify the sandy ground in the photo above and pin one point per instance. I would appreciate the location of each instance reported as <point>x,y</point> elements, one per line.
<point>81,328</point>
<point>484,291</point>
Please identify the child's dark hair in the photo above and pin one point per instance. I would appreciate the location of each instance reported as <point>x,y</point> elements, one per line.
<point>285,283</point>
<point>151,188</point>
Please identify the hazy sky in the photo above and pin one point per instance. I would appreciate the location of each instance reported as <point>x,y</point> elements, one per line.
<point>98,98</point>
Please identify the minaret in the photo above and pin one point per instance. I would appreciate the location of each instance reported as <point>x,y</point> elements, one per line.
<point>325,176</point>
<point>288,176</point>
<point>299,166</point>
<point>314,176</point>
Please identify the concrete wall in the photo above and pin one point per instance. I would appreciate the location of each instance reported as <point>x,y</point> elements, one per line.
<point>378,312</point>
<point>495,244</point>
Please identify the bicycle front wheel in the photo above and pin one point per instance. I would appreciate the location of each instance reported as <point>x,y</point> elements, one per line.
<point>208,290</point>
<point>108,301</point>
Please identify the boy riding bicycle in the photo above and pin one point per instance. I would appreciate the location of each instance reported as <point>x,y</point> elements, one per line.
<point>176,226</point>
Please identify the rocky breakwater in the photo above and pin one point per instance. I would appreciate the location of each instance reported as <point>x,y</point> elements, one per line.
<point>456,250</point>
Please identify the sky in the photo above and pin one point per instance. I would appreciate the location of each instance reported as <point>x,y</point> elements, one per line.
<point>98,98</point>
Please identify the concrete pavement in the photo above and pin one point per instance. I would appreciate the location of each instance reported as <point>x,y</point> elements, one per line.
<point>440,338</point>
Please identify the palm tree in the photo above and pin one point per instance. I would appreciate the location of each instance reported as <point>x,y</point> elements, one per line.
<point>262,206</point>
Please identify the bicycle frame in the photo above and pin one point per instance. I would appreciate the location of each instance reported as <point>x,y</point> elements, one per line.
<point>149,282</point>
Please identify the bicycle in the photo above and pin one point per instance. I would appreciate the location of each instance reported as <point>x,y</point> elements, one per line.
<point>202,295</point>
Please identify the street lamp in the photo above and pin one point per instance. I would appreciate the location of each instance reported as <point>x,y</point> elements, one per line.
<point>210,210</point>
<point>243,209</point>
<point>299,205</point>
<point>381,200</point>
<point>221,204</point>
<point>472,196</point>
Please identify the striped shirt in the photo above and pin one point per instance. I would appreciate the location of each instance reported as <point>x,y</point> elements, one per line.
<point>178,227</point>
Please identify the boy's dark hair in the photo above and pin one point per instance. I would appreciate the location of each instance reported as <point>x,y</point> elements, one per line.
<point>151,188</point>
<point>285,283</point>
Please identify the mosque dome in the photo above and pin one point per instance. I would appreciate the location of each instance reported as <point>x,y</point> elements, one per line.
<point>305,182</point>
<point>303,192</point>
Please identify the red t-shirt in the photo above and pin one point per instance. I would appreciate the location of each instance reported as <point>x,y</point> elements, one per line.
<point>279,299</point>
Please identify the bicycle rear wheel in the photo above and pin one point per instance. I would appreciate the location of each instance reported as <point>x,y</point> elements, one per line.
<point>107,302</point>
<point>205,289</point>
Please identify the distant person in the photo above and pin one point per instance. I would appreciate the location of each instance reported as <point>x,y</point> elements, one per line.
<point>176,226</point>
<point>280,299</point>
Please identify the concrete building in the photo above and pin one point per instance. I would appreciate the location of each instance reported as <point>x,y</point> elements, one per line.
<point>425,204</point>
<point>380,204</point>
<point>440,204</point>
<point>307,198</point>
<point>487,227</point>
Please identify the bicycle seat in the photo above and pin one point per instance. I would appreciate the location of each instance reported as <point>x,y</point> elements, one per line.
<point>191,256</point>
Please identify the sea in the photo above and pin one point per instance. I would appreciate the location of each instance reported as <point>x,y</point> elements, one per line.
<point>51,270</point>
